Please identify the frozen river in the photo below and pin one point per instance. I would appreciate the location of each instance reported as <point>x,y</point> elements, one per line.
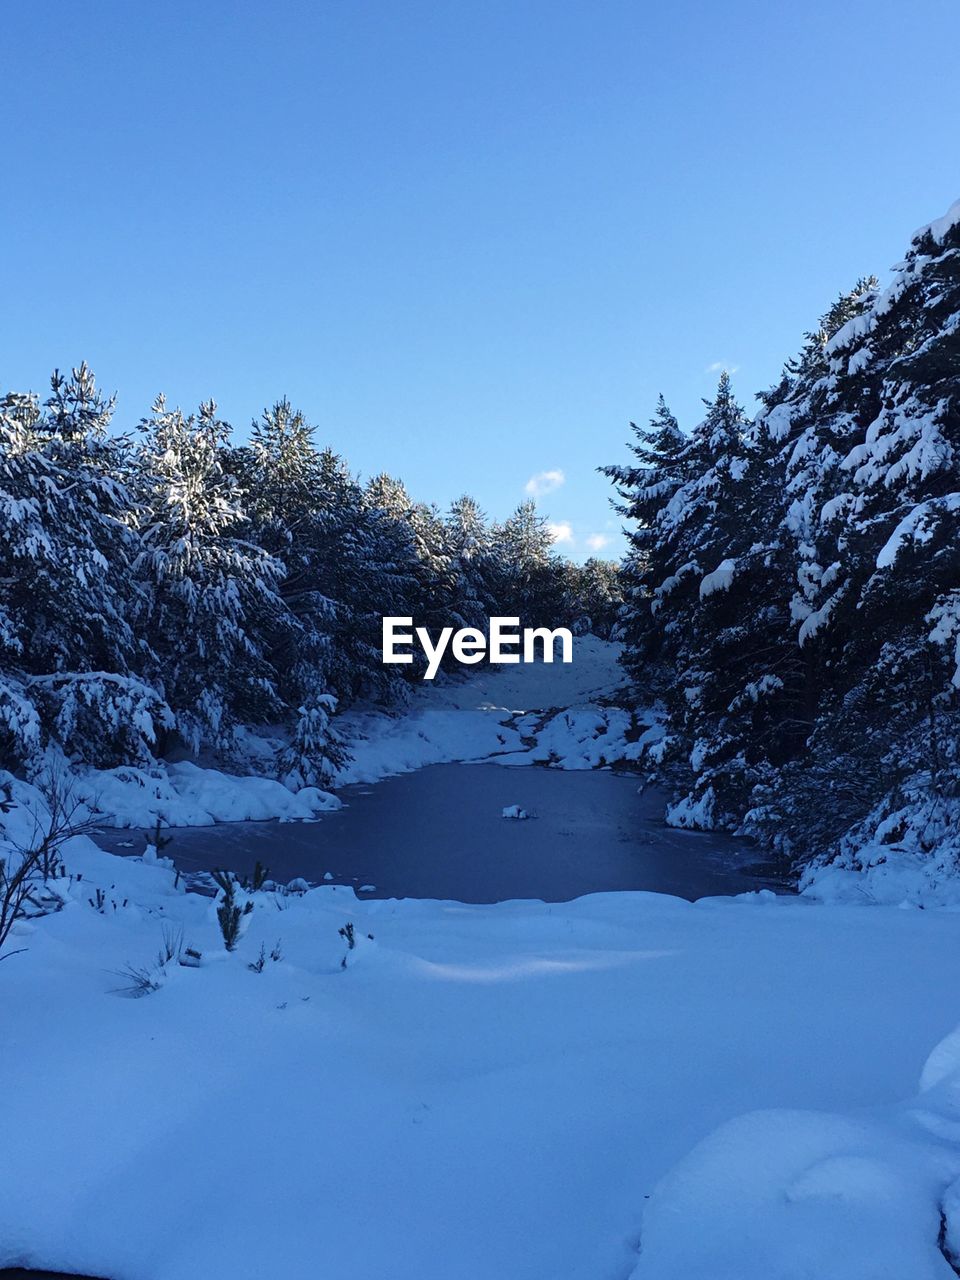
<point>439,833</point>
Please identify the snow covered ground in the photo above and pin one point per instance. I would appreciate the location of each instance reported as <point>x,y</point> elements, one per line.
<point>482,1091</point>
<point>183,794</point>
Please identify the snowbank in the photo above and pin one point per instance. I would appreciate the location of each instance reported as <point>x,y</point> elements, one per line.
<point>908,856</point>
<point>185,795</point>
<point>784,1195</point>
<point>382,745</point>
<point>506,714</point>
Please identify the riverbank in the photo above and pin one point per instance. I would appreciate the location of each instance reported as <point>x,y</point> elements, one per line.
<point>543,713</point>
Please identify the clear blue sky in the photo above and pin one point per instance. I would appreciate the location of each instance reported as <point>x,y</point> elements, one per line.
<point>470,240</point>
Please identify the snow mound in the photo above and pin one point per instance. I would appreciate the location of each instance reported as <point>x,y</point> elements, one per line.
<point>185,795</point>
<point>786,1195</point>
<point>514,811</point>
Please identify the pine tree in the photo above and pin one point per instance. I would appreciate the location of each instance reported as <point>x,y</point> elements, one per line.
<point>596,592</point>
<point>645,487</point>
<point>530,579</point>
<point>283,471</point>
<point>472,563</point>
<point>213,611</point>
<point>363,563</point>
<point>281,475</point>
<point>69,654</point>
<point>315,751</point>
<point>809,578</point>
<point>881,572</point>
<point>702,532</point>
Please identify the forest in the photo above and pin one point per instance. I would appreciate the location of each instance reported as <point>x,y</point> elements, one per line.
<point>167,586</point>
<point>793,581</point>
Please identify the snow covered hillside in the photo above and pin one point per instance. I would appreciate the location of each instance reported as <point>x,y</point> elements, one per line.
<point>480,1091</point>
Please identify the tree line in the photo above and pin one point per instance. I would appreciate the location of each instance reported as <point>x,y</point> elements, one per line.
<point>792,587</point>
<point>168,584</point>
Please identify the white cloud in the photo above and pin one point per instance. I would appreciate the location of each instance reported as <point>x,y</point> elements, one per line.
<point>719,366</point>
<point>597,541</point>
<point>560,532</point>
<point>544,482</point>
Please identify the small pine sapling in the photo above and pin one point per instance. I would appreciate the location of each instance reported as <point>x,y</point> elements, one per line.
<point>230,913</point>
<point>349,935</point>
<point>156,843</point>
<point>255,882</point>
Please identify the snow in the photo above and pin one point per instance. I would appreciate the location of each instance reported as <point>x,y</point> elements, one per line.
<point>490,715</point>
<point>537,686</point>
<point>889,875</point>
<point>905,853</point>
<point>914,525</point>
<point>514,811</point>
<point>482,1091</point>
<point>185,795</point>
<point>720,580</point>
<point>940,228</point>
<point>792,1194</point>
<point>693,813</point>
<point>457,720</point>
<point>785,1193</point>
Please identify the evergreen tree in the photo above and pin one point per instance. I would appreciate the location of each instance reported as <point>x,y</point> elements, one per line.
<point>805,577</point>
<point>213,611</point>
<point>472,563</point>
<point>596,591</point>
<point>645,488</point>
<point>430,561</point>
<point>315,751</point>
<point>530,581</point>
<point>363,562</point>
<point>281,475</point>
<point>70,658</point>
